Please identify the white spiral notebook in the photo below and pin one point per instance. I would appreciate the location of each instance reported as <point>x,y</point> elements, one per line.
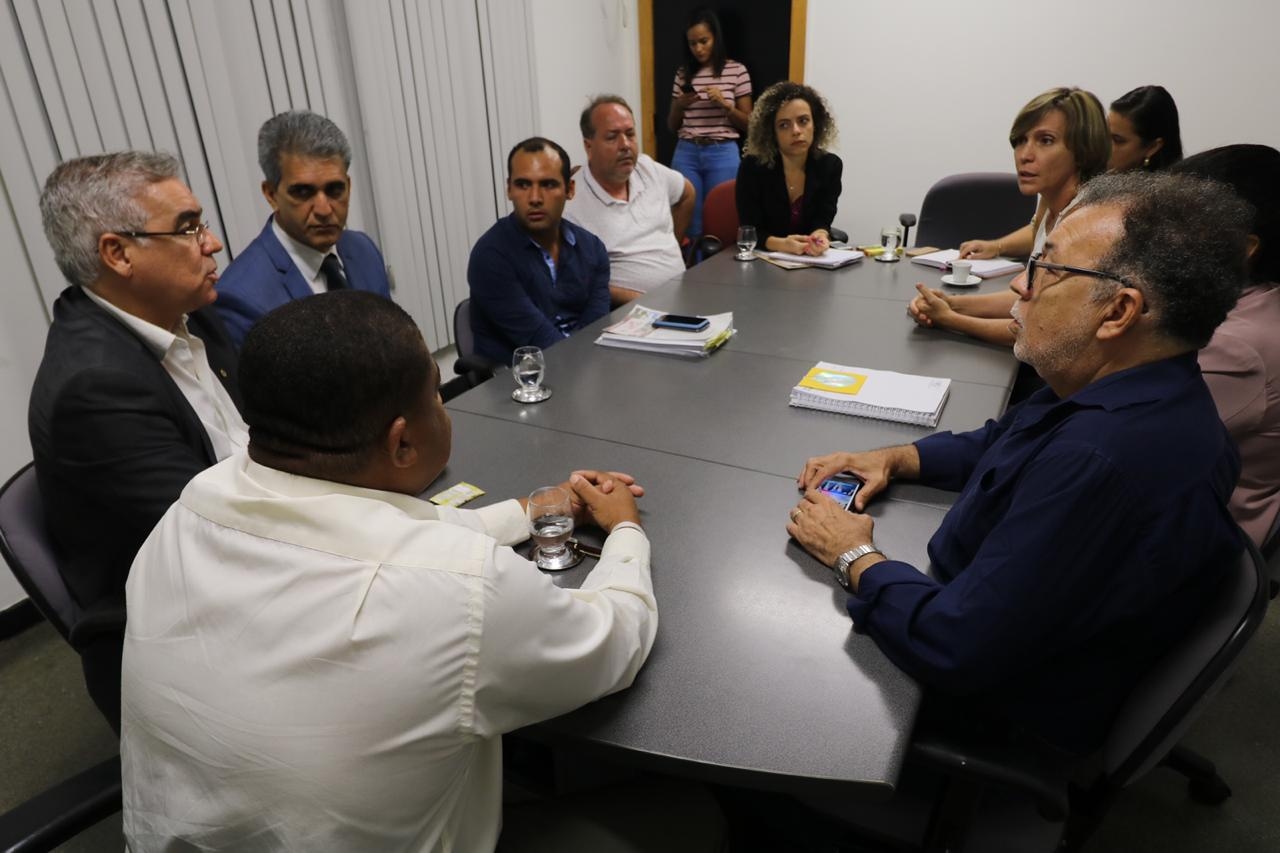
<point>881,394</point>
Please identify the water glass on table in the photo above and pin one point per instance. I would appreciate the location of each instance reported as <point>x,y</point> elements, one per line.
<point>746,242</point>
<point>550,514</point>
<point>890,239</point>
<point>528,366</point>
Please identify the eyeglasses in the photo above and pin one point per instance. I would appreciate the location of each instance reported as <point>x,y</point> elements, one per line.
<point>199,230</point>
<point>1034,263</point>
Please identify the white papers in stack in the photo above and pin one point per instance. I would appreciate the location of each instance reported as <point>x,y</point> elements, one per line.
<point>636,331</point>
<point>830,259</point>
<point>881,394</point>
<point>992,268</point>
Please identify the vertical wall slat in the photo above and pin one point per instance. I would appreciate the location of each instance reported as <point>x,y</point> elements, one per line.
<point>88,59</point>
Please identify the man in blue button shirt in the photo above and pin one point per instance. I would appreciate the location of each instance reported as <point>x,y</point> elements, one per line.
<point>535,278</point>
<point>1092,520</point>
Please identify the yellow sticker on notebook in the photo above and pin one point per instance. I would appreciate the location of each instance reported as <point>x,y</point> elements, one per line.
<point>833,381</point>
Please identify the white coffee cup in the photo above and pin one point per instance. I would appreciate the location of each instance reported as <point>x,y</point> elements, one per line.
<point>960,271</point>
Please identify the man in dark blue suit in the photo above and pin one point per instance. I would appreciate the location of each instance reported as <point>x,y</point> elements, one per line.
<point>304,247</point>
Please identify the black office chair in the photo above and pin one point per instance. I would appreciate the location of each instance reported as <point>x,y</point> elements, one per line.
<point>1271,553</point>
<point>1157,713</point>
<point>972,205</point>
<point>52,817</point>
<point>471,369</point>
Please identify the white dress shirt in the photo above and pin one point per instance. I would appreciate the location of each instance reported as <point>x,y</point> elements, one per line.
<point>307,259</point>
<point>183,357</point>
<point>638,231</point>
<point>312,666</point>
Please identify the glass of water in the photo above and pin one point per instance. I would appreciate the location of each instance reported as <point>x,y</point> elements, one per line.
<point>528,365</point>
<point>746,242</point>
<point>890,239</point>
<point>550,515</point>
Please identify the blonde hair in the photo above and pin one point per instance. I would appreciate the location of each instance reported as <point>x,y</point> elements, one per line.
<point>1088,138</point>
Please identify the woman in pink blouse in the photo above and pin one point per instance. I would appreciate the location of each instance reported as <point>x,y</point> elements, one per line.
<point>1241,364</point>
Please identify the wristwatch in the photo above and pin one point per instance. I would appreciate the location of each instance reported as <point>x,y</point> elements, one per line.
<point>845,560</point>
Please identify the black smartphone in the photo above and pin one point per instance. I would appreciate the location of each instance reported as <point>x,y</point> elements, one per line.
<point>687,88</point>
<point>683,322</point>
<point>841,488</point>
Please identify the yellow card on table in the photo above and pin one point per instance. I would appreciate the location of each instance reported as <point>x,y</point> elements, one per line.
<point>833,381</point>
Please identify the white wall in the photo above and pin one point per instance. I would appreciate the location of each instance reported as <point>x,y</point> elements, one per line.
<point>949,110</point>
<point>582,49</point>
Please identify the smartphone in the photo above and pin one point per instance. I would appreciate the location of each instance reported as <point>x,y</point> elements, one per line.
<point>687,88</point>
<point>841,489</point>
<point>683,322</point>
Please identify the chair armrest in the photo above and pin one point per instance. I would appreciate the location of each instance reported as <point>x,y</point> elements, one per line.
<point>708,245</point>
<point>63,811</point>
<point>483,368</point>
<point>1043,778</point>
<point>838,236</point>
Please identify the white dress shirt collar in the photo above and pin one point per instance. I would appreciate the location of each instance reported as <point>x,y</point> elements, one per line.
<point>305,258</point>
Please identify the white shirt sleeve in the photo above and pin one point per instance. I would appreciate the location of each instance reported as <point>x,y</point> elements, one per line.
<point>504,521</point>
<point>672,180</point>
<point>546,650</point>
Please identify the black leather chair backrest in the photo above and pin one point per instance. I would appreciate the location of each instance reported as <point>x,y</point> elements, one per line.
<point>972,206</point>
<point>29,551</point>
<point>1167,700</point>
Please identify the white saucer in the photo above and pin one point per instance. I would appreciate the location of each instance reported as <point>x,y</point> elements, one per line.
<point>951,280</point>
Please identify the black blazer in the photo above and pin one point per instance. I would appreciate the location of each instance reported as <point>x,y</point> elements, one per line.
<point>761,195</point>
<point>114,440</point>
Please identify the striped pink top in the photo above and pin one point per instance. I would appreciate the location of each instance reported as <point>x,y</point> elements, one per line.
<point>705,117</point>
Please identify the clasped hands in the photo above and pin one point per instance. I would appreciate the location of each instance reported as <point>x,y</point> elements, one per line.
<point>806,244</point>
<point>603,498</point>
<point>930,308</point>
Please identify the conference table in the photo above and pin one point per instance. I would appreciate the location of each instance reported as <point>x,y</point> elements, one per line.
<point>756,677</point>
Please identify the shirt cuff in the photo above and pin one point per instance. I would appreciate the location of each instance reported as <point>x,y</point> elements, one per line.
<point>873,581</point>
<point>505,522</point>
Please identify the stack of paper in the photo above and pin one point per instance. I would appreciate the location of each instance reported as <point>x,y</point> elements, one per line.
<point>881,394</point>
<point>982,269</point>
<point>636,331</point>
<point>830,259</point>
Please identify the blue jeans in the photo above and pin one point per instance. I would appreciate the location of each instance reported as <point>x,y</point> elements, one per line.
<point>705,166</point>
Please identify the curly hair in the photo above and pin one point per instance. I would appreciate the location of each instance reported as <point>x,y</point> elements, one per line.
<point>1190,281</point>
<point>762,139</point>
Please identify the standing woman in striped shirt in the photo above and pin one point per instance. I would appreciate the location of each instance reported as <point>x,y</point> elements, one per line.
<point>710,107</point>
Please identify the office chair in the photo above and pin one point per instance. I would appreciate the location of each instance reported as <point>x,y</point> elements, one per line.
<point>720,221</point>
<point>1157,713</point>
<point>471,369</point>
<point>51,817</point>
<point>972,206</point>
<point>1271,553</point>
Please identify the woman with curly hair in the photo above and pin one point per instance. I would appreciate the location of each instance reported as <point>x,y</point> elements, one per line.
<point>788,182</point>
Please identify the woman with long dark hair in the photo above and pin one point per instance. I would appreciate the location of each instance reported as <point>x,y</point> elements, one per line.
<point>710,106</point>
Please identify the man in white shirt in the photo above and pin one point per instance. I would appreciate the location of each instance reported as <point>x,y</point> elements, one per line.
<point>305,247</point>
<point>638,208</point>
<point>136,391</point>
<point>318,659</point>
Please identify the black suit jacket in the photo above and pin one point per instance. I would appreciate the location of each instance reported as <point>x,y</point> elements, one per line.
<point>114,439</point>
<point>762,200</point>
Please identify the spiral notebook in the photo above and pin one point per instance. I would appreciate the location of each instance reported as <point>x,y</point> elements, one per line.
<point>881,394</point>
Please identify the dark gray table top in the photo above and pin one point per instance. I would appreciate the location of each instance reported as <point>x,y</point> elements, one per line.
<point>867,278</point>
<point>756,675</point>
<point>756,672</point>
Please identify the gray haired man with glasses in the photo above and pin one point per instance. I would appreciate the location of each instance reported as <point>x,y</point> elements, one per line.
<point>136,392</point>
<point>1091,520</point>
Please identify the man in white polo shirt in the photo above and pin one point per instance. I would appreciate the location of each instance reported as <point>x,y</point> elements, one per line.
<point>638,208</point>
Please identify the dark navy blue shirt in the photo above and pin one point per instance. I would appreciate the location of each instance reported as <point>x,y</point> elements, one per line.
<point>1087,532</point>
<point>516,301</point>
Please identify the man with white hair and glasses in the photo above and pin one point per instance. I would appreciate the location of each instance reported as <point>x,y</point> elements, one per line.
<point>136,392</point>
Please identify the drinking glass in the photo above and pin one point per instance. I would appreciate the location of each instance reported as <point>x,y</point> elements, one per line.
<point>550,525</point>
<point>746,242</point>
<point>528,366</point>
<point>890,239</point>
